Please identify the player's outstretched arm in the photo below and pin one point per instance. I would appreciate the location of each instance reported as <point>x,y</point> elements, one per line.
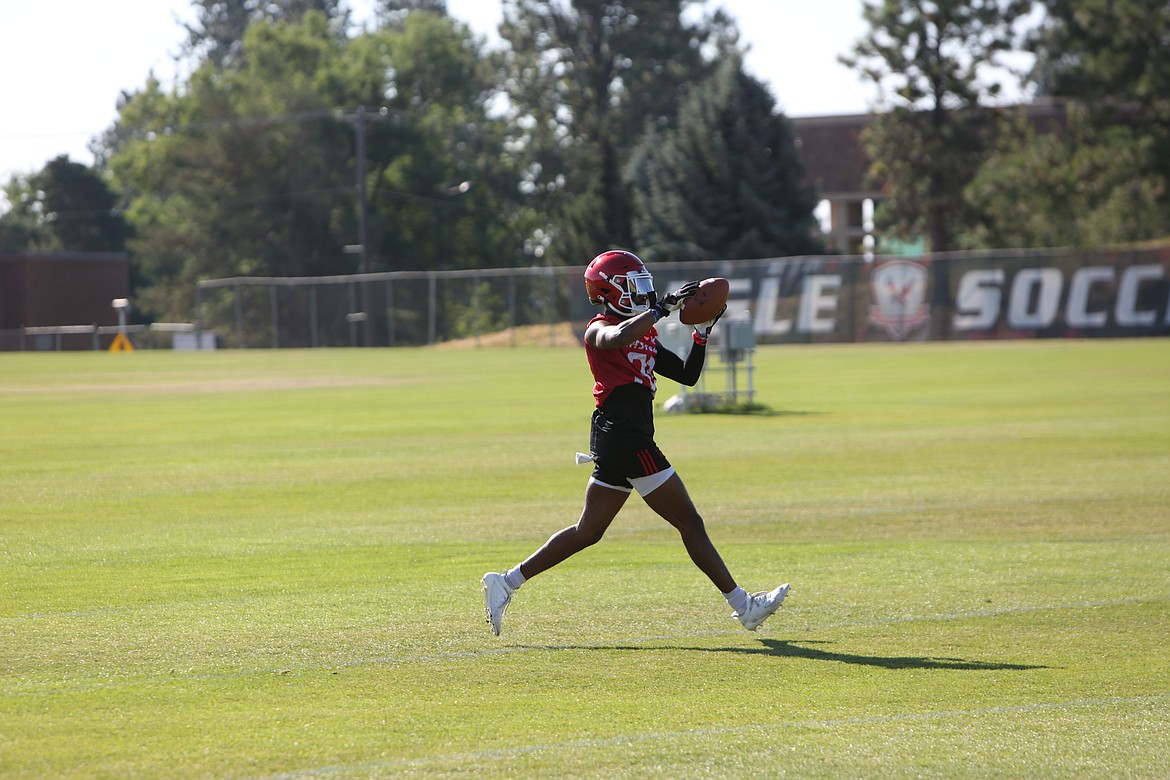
<point>605,336</point>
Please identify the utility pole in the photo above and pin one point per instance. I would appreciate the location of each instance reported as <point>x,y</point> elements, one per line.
<point>357,120</point>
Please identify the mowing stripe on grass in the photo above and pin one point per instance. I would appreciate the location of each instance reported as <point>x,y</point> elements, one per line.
<point>617,644</point>
<point>280,575</point>
<point>627,739</point>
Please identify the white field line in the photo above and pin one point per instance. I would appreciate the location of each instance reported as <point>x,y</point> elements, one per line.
<point>641,737</point>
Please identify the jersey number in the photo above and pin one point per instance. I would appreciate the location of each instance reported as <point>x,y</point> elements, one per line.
<point>642,361</point>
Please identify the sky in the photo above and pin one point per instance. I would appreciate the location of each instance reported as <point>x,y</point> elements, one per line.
<point>64,63</point>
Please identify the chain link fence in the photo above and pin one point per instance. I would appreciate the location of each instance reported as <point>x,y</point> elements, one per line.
<point>396,309</point>
<point>955,296</point>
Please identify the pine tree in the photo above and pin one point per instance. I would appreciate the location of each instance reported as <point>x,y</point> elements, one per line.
<point>1100,176</point>
<point>930,59</point>
<point>1114,57</point>
<point>217,33</point>
<point>584,78</point>
<point>727,183</point>
<point>65,206</point>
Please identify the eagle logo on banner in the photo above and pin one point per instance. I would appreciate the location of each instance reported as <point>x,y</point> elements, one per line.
<point>899,294</point>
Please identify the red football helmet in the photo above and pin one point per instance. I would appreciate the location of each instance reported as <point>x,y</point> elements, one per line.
<point>620,281</point>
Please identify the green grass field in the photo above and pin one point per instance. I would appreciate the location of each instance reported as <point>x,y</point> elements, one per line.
<point>266,564</point>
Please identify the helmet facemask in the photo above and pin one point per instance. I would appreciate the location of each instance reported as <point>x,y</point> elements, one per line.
<point>640,291</point>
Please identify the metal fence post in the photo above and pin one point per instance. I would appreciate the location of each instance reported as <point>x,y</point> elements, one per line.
<point>275,311</point>
<point>198,316</point>
<point>313,338</point>
<point>350,318</point>
<point>390,312</point>
<point>552,308</point>
<point>512,309</point>
<point>475,308</point>
<point>239,317</point>
<point>433,298</point>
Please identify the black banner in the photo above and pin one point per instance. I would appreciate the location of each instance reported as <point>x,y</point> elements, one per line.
<point>959,296</point>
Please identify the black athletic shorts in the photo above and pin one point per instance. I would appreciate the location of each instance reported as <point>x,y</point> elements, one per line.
<point>621,438</point>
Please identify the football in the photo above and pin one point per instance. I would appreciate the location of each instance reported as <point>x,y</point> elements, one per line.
<point>706,303</point>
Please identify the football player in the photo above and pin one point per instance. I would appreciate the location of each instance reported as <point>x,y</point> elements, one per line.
<point>625,355</point>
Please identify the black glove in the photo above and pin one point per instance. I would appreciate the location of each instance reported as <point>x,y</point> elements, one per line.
<point>672,302</point>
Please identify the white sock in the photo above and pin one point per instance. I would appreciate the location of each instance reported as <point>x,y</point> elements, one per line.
<point>737,600</point>
<point>515,578</point>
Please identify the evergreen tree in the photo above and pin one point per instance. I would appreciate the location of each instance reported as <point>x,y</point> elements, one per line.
<point>583,79</point>
<point>81,208</point>
<point>930,61</point>
<point>217,34</point>
<point>1100,176</point>
<point>1113,56</point>
<point>67,207</point>
<point>1080,185</point>
<point>1108,54</point>
<point>393,12</point>
<point>727,182</point>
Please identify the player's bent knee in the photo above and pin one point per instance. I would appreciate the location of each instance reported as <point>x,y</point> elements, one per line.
<point>588,537</point>
<point>692,525</point>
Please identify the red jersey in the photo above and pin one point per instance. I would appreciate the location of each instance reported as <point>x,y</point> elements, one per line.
<point>633,364</point>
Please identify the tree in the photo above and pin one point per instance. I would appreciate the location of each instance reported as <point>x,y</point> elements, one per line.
<point>931,61</point>
<point>1114,58</point>
<point>81,208</point>
<point>1100,176</point>
<point>217,34</point>
<point>583,79</point>
<point>442,184</point>
<point>66,206</point>
<point>727,182</point>
<point>239,172</point>
<point>252,170</point>
<point>1080,185</point>
<point>1111,54</point>
<point>22,228</point>
<point>392,12</point>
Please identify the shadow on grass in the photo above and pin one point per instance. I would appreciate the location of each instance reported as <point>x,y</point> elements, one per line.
<point>753,410</point>
<point>784,649</point>
<point>779,647</point>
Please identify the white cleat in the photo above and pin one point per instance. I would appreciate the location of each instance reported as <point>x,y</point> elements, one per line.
<point>496,598</point>
<point>761,606</point>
